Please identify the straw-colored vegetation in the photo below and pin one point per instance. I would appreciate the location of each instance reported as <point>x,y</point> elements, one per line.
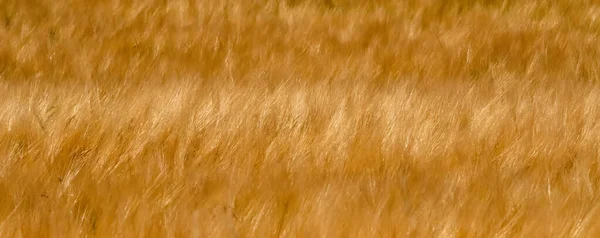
<point>315,118</point>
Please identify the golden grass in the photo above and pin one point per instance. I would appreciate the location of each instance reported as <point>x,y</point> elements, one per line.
<point>330,118</point>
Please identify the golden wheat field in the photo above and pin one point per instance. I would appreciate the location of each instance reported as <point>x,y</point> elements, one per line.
<point>299,118</point>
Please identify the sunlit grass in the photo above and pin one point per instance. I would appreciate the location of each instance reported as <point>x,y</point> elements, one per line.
<point>296,118</point>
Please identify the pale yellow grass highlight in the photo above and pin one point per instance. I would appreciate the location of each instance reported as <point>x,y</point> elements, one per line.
<point>206,118</point>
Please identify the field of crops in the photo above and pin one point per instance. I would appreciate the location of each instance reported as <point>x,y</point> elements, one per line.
<point>299,118</point>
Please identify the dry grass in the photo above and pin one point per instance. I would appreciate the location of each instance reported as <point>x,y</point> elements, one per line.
<point>329,118</point>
